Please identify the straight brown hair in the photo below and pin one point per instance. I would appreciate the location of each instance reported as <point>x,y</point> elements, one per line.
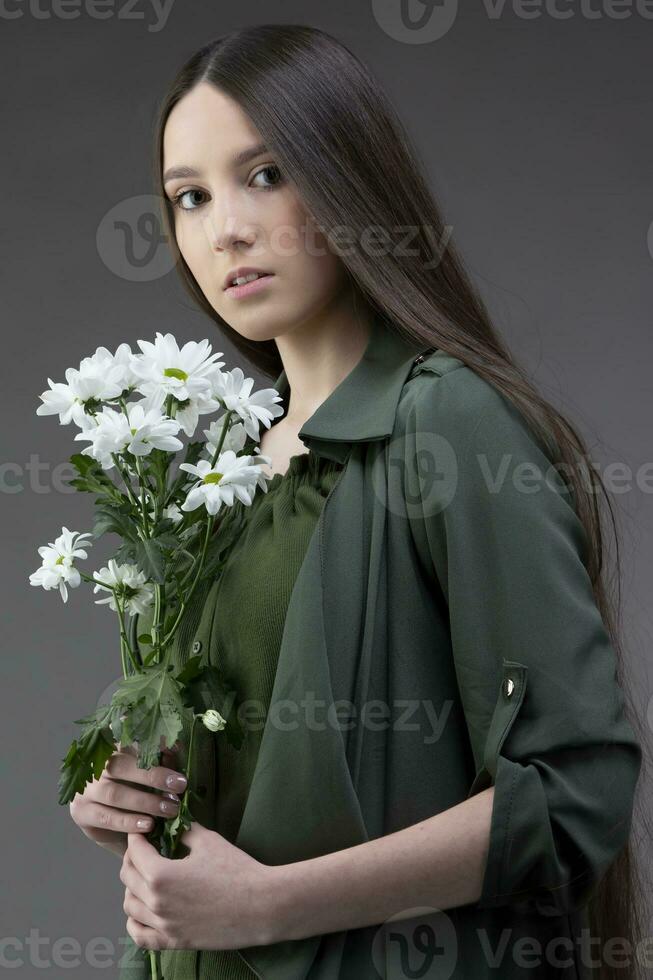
<point>335,136</point>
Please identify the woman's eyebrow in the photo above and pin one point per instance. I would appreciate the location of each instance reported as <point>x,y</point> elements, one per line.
<point>246,155</point>
<point>238,161</point>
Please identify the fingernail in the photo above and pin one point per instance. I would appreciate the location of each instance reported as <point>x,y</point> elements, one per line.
<point>176,782</point>
<point>172,796</point>
<point>144,823</point>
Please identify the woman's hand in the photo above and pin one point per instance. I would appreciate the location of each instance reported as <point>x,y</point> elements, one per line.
<point>111,807</point>
<point>217,897</point>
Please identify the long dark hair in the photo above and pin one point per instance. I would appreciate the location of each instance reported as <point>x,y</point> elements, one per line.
<point>335,136</point>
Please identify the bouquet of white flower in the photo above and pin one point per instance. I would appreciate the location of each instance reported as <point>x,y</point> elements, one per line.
<point>165,522</point>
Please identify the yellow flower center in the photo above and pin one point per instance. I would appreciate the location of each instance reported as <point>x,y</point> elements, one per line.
<point>175,373</point>
<point>213,477</point>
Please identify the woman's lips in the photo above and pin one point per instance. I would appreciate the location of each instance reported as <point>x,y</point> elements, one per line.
<point>248,288</point>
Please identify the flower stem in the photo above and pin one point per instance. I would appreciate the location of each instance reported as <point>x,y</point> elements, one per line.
<point>183,808</point>
<point>128,488</point>
<point>133,639</point>
<point>184,601</point>
<point>207,535</point>
<point>144,485</point>
<point>225,429</point>
<point>124,641</point>
<point>154,971</point>
<point>125,645</point>
<point>156,627</point>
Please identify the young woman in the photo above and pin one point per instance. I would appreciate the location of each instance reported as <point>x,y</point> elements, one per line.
<point>443,774</point>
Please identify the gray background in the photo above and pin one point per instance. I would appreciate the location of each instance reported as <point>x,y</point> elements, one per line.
<point>535,132</point>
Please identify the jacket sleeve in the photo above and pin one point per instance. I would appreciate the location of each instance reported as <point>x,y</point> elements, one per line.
<point>535,667</point>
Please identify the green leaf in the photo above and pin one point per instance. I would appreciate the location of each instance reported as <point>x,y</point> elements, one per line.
<point>92,478</point>
<point>153,704</point>
<point>126,553</point>
<point>154,725</point>
<point>156,464</point>
<point>168,540</point>
<point>155,553</point>
<point>191,670</point>
<point>118,519</point>
<point>87,756</point>
<point>173,829</point>
<point>146,639</point>
<point>149,658</point>
<point>150,559</point>
<point>170,622</point>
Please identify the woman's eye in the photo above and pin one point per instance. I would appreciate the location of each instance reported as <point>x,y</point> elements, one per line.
<point>274,170</point>
<point>176,201</point>
<point>271,173</point>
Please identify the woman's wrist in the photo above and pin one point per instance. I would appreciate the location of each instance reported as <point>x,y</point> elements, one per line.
<point>276,905</point>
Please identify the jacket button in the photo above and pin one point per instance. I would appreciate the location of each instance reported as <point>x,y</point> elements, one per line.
<point>418,359</point>
<point>508,686</point>
<point>197,646</point>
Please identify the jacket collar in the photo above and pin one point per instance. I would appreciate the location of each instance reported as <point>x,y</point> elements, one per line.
<point>363,406</point>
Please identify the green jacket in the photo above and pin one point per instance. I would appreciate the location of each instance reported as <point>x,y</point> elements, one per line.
<point>457,613</point>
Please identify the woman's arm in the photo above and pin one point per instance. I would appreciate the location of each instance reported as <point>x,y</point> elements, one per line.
<point>438,862</point>
<point>536,669</point>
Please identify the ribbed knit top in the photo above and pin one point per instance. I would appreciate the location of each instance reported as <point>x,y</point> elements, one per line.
<point>246,606</point>
<point>251,601</point>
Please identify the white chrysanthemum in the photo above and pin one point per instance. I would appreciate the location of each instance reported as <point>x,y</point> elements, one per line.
<point>235,438</point>
<point>57,569</point>
<point>99,378</point>
<point>163,369</point>
<point>231,477</point>
<point>137,432</point>
<point>173,513</point>
<point>129,583</point>
<point>234,391</point>
<point>103,360</point>
<point>258,459</point>
<point>189,413</point>
<point>213,720</point>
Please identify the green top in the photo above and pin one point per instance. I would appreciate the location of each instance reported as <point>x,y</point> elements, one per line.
<point>250,599</point>
<point>243,612</point>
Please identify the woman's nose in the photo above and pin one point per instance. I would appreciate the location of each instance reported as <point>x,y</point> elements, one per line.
<point>226,227</point>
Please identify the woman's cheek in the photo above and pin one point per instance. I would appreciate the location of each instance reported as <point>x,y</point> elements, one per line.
<point>180,238</point>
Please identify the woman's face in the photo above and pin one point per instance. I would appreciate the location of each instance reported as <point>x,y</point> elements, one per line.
<point>232,213</point>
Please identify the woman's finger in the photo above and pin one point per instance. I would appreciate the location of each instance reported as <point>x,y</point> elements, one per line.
<point>142,802</point>
<point>138,910</point>
<point>144,937</point>
<point>108,818</point>
<point>133,879</point>
<point>123,766</point>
